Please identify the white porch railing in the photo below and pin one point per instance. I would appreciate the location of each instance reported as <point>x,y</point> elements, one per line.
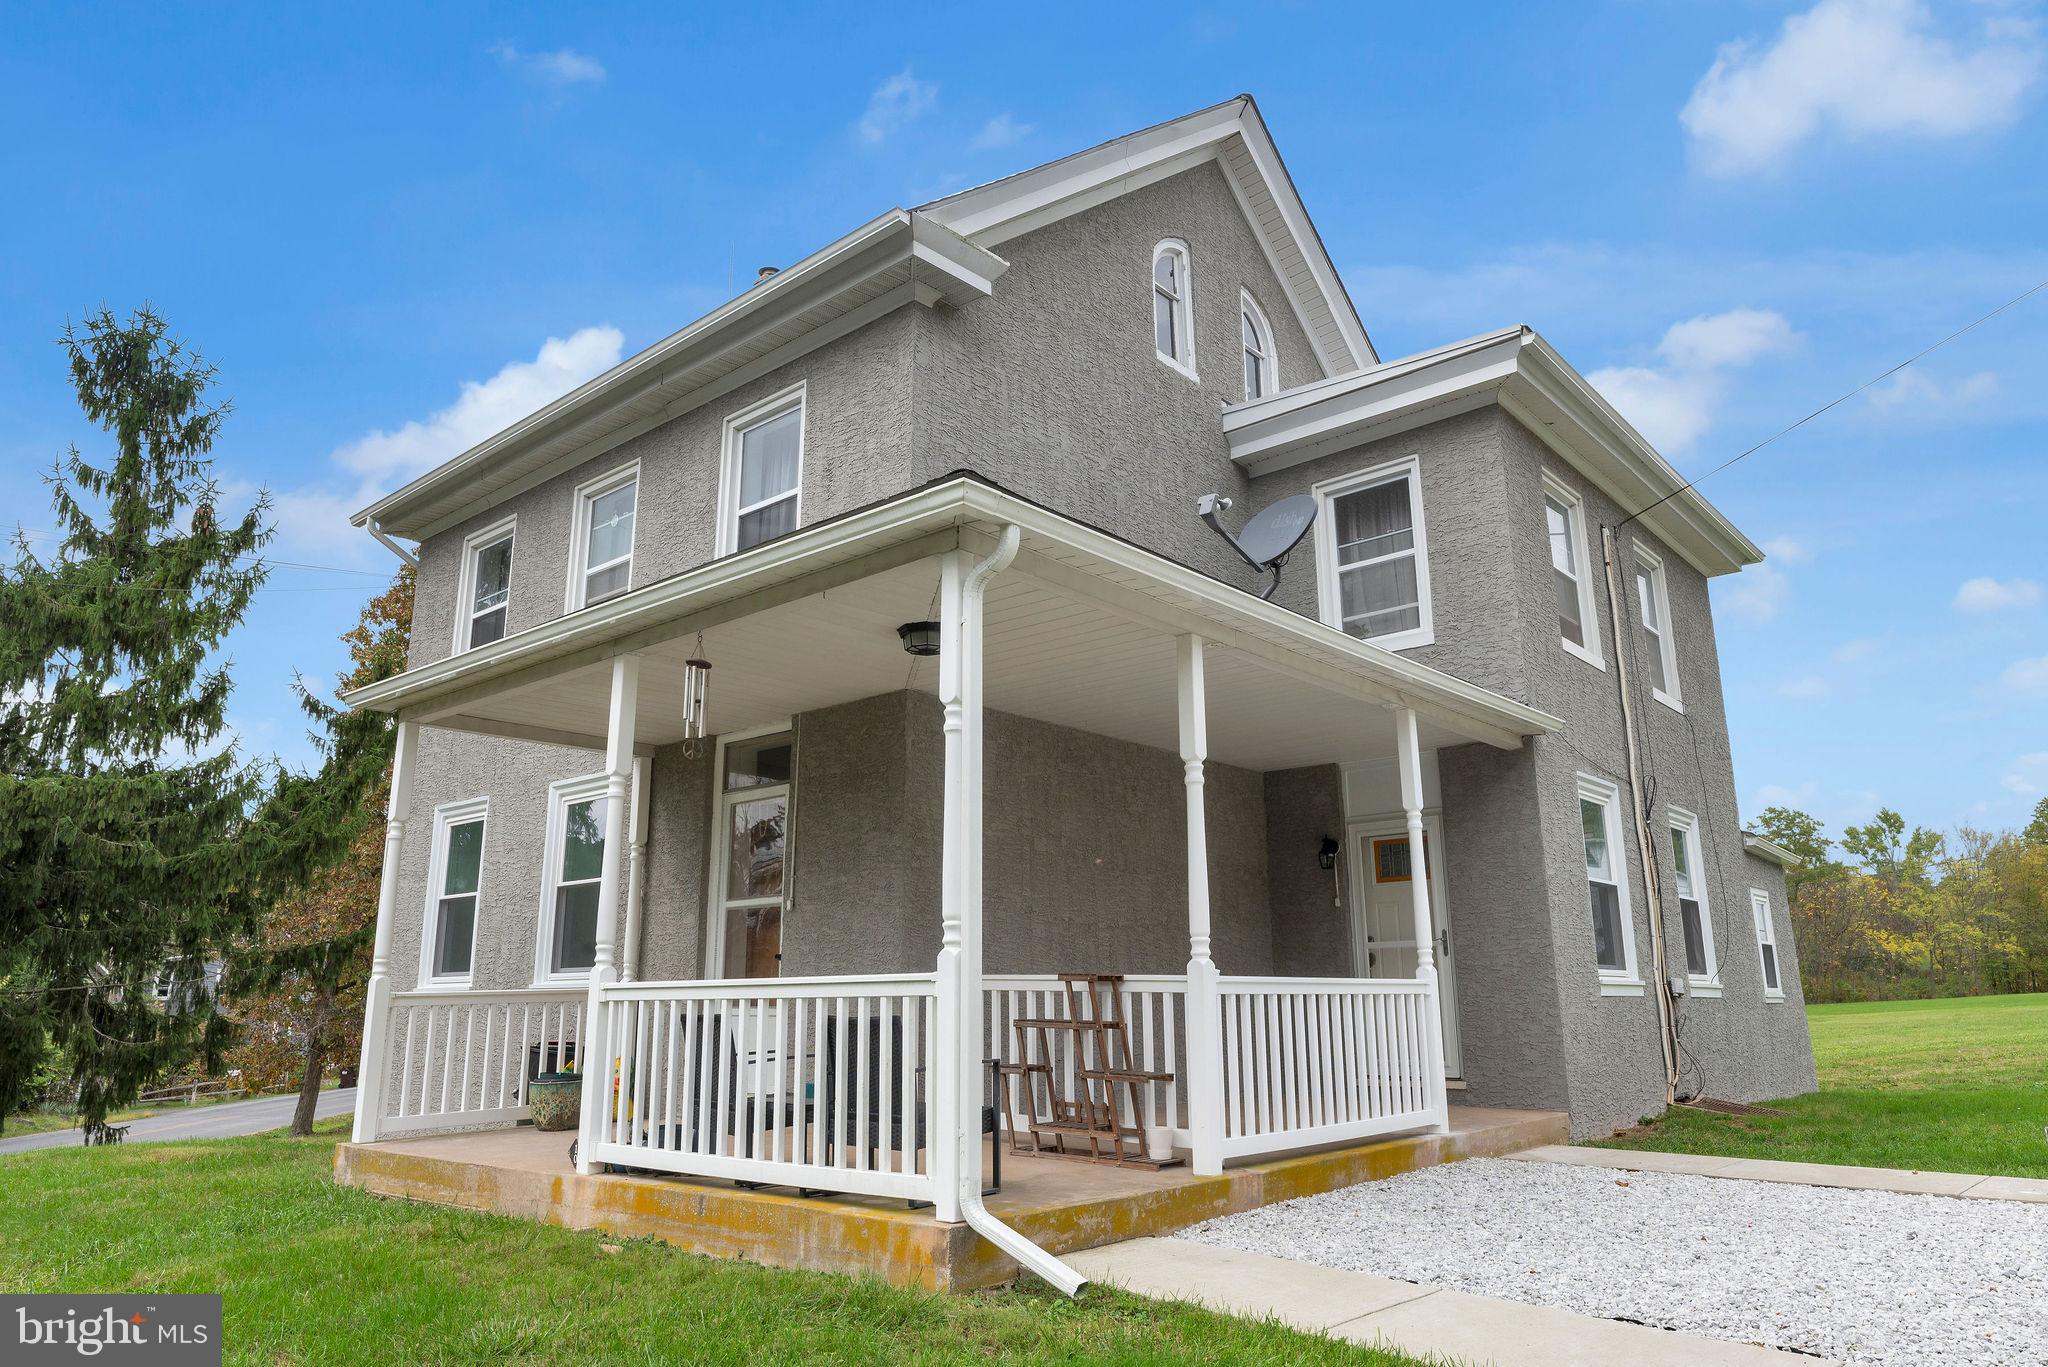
<point>1154,1005</point>
<point>1321,1060</point>
<point>463,1058</point>
<point>817,1083</point>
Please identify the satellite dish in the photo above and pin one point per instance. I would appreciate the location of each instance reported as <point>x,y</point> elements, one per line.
<point>1271,535</point>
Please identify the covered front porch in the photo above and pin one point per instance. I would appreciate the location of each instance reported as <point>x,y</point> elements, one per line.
<point>877,1084</point>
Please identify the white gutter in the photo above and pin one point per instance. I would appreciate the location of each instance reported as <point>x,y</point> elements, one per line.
<point>376,529</point>
<point>969,1003</point>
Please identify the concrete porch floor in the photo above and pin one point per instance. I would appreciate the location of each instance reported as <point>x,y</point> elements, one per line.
<point>1062,1204</point>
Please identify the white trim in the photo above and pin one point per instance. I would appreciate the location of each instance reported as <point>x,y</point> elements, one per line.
<point>562,793</point>
<point>1330,600</point>
<point>796,397</point>
<point>1767,934</point>
<point>504,529</point>
<point>1770,851</point>
<point>1606,794</point>
<point>1182,303</point>
<point>586,494</point>
<point>716,851</point>
<point>1267,351</point>
<point>1684,826</point>
<point>447,816</point>
<point>1648,560</point>
<point>1574,505</point>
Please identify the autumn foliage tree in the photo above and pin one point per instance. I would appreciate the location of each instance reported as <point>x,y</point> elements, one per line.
<point>298,991</point>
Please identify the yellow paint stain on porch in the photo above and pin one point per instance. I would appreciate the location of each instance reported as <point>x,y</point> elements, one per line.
<point>1063,1205</point>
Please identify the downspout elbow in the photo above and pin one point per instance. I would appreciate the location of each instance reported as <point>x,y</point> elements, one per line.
<point>383,538</point>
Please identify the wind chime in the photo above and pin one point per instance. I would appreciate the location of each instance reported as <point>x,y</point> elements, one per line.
<point>696,674</point>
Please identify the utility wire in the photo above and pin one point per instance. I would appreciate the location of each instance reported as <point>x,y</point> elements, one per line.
<point>277,564</point>
<point>1837,402</point>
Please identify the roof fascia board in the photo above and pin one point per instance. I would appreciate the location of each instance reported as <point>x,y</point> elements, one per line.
<point>1763,847</point>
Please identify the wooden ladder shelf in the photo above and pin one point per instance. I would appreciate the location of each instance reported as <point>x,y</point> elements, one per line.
<point>1097,1061</point>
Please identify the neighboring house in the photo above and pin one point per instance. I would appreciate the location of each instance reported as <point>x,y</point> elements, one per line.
<point>994,414</point>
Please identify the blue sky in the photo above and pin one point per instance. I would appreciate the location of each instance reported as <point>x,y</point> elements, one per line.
<point>396,229</point>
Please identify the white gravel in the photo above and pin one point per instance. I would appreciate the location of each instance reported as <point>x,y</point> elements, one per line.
<point>1858,1276</point>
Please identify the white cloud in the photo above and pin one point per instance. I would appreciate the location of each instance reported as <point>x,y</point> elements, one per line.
<point>1861,69</point>
<point>562,67</point>
<point>1985,594</point>
<point>1862,648</point>
<point>1760,592</point>
<point>1785,548</point>
<point>1910,389</point>
<point>2028,775</point>
<point>2027,676</point>
<point>895,103</point>
<point>1002,131</point>
<point>1673,404</point>
<point>1805,686</point>
<point>1778,795</point>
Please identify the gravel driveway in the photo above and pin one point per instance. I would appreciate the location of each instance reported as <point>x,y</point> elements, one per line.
<point>1858,1276</point>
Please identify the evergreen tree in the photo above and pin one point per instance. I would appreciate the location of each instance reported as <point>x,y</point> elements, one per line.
<point>125,842</point>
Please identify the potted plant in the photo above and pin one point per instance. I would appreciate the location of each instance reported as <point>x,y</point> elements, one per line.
<point>555,1100</point>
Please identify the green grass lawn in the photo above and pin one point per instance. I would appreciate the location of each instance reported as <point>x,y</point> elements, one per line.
<point>1958,1085</point>
<point>316,1273</point>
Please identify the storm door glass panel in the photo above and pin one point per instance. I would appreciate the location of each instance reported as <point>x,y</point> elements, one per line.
<point>493,591</point>
<point>574,947</point>
<point>608,557</point>
<point>1689,904</point>
<point>755,801</point>
<point>1653,628</point>
<point>1608,947</point>
<point>770,467</point>
<point>1564,571</point>
<point>1376,570</point>
<point>455,922</point>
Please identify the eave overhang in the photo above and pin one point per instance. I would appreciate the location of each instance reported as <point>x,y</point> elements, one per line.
<point>1765,848</point>
<point>1516,369</point>
<point>899,258</point>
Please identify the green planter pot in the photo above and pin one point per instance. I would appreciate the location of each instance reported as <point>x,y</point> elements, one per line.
<point>555,1101</point>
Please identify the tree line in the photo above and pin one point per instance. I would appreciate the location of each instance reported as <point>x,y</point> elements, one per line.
<point>1885,912</point>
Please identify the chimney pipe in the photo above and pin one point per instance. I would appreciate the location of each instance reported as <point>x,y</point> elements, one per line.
<point>764,273</point>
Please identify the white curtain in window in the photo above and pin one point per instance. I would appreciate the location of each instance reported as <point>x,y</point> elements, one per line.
<point>1376,571</point>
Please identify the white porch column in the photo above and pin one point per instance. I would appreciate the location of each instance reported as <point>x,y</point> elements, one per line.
<point>636,870</point>
<point>618,773</point>
<point>370,1068</point>
<point>1204,1002</point>
<point>1408,742</point>
<point>951,1050</point>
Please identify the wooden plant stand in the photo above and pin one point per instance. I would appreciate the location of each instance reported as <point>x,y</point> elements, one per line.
<point>1107,1083</point>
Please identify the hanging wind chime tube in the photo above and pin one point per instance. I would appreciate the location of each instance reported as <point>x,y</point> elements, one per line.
<point>696,674</point>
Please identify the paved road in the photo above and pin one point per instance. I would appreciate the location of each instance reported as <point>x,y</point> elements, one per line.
<point>202,1122</point>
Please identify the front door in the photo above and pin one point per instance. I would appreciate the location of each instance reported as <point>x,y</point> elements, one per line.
<point>1384,930</point>
<point>754,801</point>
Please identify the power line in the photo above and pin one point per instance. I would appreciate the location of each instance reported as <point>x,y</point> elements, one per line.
<point>279,564</point>
<point>1835,403</point>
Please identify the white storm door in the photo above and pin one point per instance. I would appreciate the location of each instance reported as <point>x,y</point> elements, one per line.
<point>1383,929</point>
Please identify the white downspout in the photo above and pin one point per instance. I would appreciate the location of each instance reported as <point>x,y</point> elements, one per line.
<point>968,1005</point>
<point>383,539</point>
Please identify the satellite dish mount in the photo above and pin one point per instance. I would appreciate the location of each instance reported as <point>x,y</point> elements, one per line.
<point>1268,538</point>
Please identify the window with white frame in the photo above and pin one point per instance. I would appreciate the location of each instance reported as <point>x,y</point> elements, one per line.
<point>486,586</point>
<point>1653,610</point>
<point>761,488</point>
<point>454,884</point>
<point>1261,371</point>
<point>1614,946</point>
<point>1564,515</point>
<point>1695,919</point>
<point>1766,942</point>
<point>573,865</point>
<point>1373,557</point>
<point>601,550</point>
<point>1173,314</point>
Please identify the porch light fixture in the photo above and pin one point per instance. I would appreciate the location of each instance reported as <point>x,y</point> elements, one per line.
<point>919,638</point>
<point>1326,854</point>
<point>696,674</point>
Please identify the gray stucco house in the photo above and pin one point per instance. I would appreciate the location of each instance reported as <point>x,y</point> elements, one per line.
<point>993,415</point>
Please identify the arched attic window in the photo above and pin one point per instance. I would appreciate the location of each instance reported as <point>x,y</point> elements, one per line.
<point>1173,315</point>
<point>1261,367</point>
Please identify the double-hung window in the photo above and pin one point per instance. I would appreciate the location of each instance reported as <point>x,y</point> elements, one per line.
<point>573,865</point>
<point>1564,514</point>
<point>486,591</point>
<point>1373,556</point>
<point>454,883</point>
<point>1614,946</point>
<point>761,491</point>
<point>1766,943</point>
<point>1173,315</point>
<point>1261,375</point>
<point>1695,920</point>
<point>601,551</point>
<point>1653,605</point>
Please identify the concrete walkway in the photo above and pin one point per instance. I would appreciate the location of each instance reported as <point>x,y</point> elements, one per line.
<point>1419,1320</point>
<point>1909,1182</point>
<point>223,1121</point>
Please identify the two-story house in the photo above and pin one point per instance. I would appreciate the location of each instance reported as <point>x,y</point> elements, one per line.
<point>855,655</point>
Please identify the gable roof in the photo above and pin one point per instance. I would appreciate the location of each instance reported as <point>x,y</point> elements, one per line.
<point>1233,135</point>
